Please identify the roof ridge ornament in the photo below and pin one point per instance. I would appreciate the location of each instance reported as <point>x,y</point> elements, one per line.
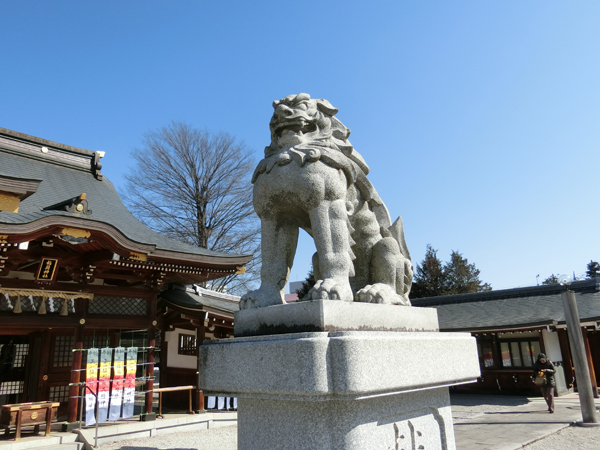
<point>97,165</point>
<point>77,204</point>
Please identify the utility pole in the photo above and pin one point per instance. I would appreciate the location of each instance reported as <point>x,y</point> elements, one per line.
<point>582,371</point>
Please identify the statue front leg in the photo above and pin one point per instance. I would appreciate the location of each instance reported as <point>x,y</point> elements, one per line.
<point>278,247</point>
<point>330,232</point>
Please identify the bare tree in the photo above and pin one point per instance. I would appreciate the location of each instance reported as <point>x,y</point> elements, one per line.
<point>194,186</point>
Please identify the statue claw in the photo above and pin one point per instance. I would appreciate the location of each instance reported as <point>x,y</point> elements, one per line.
<point>260,298</point>
<point>331,289</point>
<point>380,293</point>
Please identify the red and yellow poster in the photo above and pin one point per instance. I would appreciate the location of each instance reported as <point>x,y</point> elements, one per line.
<point>104,383</point>
<point>91,386</point>
<point>129,385</point>
<point>116,392</point>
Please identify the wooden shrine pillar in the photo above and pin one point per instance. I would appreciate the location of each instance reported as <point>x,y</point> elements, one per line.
<point>75,378</point>
<point>151,342</point>
<point>114,338</point>
<point>200,336</point>
<point>565,350</point>
<point>588,355</point>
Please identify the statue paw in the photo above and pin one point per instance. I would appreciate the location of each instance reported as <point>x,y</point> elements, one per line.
<point>380,293</point>
<point>247,301</point>
<point>260,298</point>
<point>331,289</point>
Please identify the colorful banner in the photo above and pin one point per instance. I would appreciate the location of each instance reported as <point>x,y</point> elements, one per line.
<point>91,384</point>
<point>116,392</point>
<point>104,383</point>
<point>129,385</point>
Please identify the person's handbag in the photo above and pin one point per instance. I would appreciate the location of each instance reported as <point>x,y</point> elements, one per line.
<point>540,379</point>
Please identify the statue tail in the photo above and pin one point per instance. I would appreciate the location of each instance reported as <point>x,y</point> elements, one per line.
<point>397,232</point>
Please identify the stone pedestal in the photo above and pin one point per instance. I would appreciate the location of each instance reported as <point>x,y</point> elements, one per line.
<point>336,390</point>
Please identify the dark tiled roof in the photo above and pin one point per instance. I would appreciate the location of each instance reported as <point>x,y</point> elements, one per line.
<point>513,308</point>
<point>65,180</point>
<point>188,299</point>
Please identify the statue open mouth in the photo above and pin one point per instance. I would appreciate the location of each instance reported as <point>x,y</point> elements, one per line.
<point>296,128</point>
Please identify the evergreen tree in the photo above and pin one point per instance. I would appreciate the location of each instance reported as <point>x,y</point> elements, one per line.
<point>429,276</point>
<point>552,279</point>
<point>457,276</point>
<point>307,285</point>
<point>593,269</point>
<point>460,277</point>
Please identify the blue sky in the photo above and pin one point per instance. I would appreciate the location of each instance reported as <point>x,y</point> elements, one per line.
<point>480,120</point>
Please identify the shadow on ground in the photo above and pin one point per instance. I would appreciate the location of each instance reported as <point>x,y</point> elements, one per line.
<point>153,448</point>
<point>479,400</point>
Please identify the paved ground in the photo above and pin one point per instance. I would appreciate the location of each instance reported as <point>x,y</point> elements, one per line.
<point>215,439</point>
<point>481,422</point>
<point>575,438</point>
<point>498,422</point>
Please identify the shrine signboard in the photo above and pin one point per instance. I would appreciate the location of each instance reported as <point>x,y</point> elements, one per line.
<point>47,271</point>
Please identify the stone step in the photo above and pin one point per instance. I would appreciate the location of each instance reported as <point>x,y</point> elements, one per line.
<point>64,441</point>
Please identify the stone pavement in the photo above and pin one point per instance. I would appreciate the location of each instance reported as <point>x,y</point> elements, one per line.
<point>174,424</point>
<point>481,422</point>
<point>499,422</point>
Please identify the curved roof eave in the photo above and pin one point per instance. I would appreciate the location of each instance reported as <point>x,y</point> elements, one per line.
<point>66,220</point>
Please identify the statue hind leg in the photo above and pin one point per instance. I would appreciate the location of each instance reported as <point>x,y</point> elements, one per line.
<point>390,275</point>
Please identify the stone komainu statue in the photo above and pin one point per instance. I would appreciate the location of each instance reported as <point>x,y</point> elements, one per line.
<point>312,178</point>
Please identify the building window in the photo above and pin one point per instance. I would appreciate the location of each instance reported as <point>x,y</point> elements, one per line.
<point>11,387</point>
<point>18,354</point>
<point>187,345</point>
<point>486,355</point>
<point>519,352</point>
<point>63,351</point>
<point>59,394</point>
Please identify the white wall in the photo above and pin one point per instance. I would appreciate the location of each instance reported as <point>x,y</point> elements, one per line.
<point>174,359</point>
<point>552,345</point>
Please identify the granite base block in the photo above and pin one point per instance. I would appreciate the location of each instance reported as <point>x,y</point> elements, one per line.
<point>350,390</point>
<point>350,364</point>
<point>328,315</point>
<point>414,420</point>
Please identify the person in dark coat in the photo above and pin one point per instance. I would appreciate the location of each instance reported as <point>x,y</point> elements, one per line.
<point>545,368</point>
<point>7,359</point>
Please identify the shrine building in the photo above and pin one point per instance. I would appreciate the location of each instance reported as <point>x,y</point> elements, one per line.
<point>79,271</point>
<point>512,326</point>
